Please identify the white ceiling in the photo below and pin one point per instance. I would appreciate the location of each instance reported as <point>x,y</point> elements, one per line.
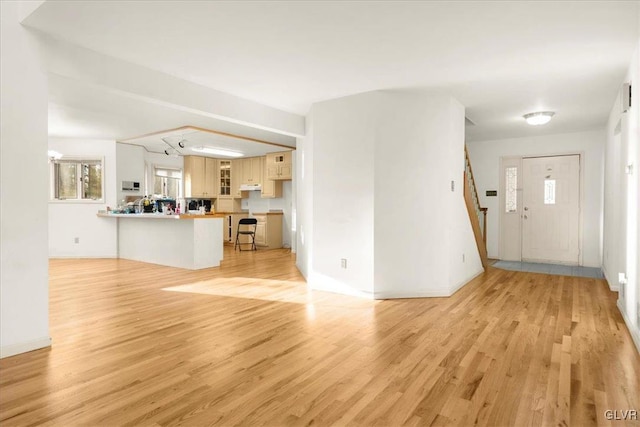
<point>500,59</point>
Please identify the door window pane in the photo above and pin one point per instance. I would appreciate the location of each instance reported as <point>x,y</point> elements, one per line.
<point>511,189</point>
<point>549,191</point>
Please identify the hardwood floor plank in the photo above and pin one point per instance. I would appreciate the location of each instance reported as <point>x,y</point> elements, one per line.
<point>249,344</point>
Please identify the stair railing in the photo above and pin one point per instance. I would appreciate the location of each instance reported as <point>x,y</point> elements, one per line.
<point>477,213</point>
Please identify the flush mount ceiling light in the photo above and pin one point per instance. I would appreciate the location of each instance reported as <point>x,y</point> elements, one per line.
<point>539,118</point>
<point>217,151</point>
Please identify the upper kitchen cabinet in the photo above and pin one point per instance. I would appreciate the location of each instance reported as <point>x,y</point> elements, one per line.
<point>236,177</point>
<point>200,176</point>
<point>279,165</point>
<point>224,179</point>
<point>270,188</point>
<point>252,171</point>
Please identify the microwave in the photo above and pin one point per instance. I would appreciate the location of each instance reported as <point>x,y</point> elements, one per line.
<point>130,186</point>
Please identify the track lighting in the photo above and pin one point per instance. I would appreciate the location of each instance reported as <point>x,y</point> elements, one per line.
<point>181,144</point>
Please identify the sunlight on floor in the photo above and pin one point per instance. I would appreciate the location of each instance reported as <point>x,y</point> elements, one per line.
<point>248,287</point>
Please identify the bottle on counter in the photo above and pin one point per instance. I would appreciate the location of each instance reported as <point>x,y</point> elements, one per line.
<point>178,209</point>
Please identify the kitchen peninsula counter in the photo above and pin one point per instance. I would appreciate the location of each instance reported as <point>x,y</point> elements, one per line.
<point>185,241</point>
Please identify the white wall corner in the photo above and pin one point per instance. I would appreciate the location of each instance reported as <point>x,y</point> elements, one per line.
<point>23,347</point>
<point>456,287</point>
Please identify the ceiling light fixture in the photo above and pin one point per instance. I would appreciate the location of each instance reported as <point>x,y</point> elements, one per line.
<point>217,151</point>
<point>181,143</point>
<point>172,151</point>
<point>539,118</point>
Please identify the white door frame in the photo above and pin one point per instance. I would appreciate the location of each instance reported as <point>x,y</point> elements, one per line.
<point>581,203</point>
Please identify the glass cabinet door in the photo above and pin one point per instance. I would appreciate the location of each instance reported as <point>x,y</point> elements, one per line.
<point>225,178</point>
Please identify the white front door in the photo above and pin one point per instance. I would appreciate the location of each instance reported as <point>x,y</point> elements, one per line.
<point>551,209</point>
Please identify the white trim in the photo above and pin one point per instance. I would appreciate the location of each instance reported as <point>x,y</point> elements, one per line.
<point>397,295</point>
<point>463,283</point>
<point>635,335</point>
<point>76,256</point>
<point>12,350</point>
<point>320,282</point>
<point>614,288</point>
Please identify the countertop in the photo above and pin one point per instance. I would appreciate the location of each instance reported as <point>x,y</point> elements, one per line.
<point>159,216</point>
<point>268,213</point>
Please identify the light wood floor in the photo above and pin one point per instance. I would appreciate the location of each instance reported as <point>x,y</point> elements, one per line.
<point>247,344</point>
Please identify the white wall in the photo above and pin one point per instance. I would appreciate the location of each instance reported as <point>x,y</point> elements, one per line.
<point>70,220</point>
<point>129,167</point>
<point>343,198</point>
<point>380,167</point>
<point>485,161</point>
<point>24,283</point>
<point>422,228</point>
<point>622,203</point>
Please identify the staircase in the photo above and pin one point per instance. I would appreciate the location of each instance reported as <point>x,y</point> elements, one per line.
<point>477,214</point>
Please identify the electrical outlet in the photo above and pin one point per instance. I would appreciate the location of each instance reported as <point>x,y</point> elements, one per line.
<point>462,257</point>
<point>343,262</point>
<point>453,185</point>
<point>76,240</point>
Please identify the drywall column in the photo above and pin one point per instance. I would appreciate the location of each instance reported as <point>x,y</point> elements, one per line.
<point>424,244</point>
<point>343,133</point>
<point>382,164</point>
<point>24,290</point>
<point>304,199</point>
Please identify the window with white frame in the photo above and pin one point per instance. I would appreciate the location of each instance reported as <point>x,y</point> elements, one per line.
<point>77,179</point>
<point>167,182</point>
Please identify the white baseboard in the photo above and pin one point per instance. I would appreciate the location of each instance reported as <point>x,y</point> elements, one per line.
<point>460,285</point>
<point>320,282</point>
<point>436,293</point>
<point>614,288</point>
<point>635,334</point>
<point>111,256</point>
<point>12,350</point>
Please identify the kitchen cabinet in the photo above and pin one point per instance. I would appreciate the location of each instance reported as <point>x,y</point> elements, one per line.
<point>270,188</point>
<point>252,171</point>
<point>199,176</point>
<point>236,177</point>
<point>269,230</point>
<point>224,179</point>
<point>279,165</point>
